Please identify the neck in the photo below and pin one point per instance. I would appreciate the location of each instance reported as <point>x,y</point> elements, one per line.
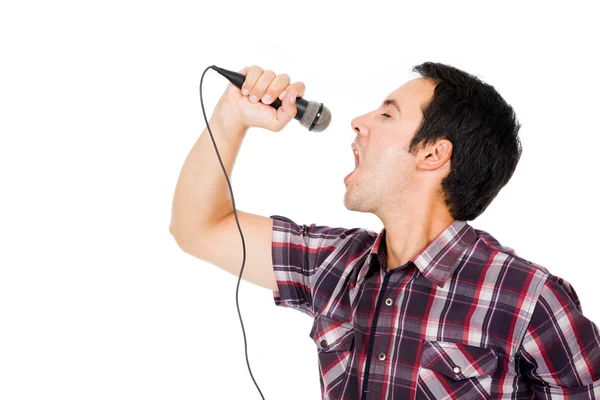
<point>409,233</point>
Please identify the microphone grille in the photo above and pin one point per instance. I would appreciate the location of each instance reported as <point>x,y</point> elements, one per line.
<point>308,118</point>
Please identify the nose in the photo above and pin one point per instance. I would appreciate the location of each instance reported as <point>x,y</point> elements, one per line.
<point>360,126</point>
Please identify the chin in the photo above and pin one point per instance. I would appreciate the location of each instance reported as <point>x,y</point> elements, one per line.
<point>348,203</point>
<point>352,203</point>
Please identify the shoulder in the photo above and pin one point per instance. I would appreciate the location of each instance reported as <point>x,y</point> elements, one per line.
<point>517,281</point>
<point>496,252</point>
<point>543,288</point>
<point>325,234</point>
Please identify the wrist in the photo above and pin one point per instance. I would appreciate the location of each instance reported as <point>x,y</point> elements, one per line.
<point>227,120</point>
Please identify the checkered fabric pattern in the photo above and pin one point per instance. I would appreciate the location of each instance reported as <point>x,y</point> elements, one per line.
<point>465,318</point>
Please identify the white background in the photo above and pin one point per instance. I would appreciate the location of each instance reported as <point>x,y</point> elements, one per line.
<point>99,107</point>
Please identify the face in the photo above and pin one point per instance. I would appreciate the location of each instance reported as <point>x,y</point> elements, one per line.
<point>387,174</point>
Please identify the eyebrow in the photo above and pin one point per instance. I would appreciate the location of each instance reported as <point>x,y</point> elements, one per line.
<point>391,102</point>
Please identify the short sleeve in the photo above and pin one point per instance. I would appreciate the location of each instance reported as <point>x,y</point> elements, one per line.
<point>299,252</point>
<point>560,352</point>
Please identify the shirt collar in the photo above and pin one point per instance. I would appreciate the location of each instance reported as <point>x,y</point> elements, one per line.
<point>437,260</point>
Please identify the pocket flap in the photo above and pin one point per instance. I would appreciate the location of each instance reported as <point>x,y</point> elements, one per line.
<point>331,334</point>
<point>457,360</point>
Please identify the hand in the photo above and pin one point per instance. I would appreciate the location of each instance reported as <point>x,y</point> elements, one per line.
<point>246,108</point>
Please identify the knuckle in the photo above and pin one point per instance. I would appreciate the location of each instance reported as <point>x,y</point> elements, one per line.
<point>259,88</point>
<point>277,86</point>
<point>263,83</point>
<point>300,91</point>
<point>254,73</point>
<point>283,81</point>
<point>251,77</point>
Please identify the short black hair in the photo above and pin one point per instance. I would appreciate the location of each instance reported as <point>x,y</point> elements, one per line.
<point>483,129</point>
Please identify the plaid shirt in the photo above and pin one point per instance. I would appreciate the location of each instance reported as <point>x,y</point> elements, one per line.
<point>466,318</point>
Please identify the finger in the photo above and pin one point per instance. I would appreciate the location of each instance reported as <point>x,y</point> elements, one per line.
<point>261,85</point>
<point>280,82</point>
<point>254,72</point>
<point>243,71</point>
<point>286,112</point>
<point>297,87</point>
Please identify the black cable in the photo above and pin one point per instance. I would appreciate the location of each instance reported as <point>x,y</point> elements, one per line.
<point>238,224</point>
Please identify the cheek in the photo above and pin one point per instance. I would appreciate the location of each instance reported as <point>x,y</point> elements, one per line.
<point>393,158</point>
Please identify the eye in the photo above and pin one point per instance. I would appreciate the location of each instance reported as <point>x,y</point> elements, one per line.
<point>386,115</point>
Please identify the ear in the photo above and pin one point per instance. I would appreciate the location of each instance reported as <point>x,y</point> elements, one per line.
<point>436,155</point>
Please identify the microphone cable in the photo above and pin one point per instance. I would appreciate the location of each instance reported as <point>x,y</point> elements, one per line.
<point>238,224</point>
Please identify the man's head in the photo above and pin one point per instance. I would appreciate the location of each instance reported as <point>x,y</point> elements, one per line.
<point>452,142</point>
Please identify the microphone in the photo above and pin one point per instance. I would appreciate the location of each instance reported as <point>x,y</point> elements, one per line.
<point>312,115</point>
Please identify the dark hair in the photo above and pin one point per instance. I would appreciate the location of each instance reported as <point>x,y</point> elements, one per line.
<point>483,129</point>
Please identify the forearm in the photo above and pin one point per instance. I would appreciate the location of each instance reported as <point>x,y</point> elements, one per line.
<point>202,195</point>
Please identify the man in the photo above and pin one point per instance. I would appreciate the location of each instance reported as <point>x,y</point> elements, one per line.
<point>429,308</point>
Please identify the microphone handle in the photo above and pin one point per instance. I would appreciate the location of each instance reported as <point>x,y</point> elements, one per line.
<point>238,79</point>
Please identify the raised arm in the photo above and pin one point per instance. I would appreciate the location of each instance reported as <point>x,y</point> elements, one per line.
<point>202,220</point>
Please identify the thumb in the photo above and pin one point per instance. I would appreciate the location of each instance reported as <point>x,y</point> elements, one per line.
<point>286,112</point>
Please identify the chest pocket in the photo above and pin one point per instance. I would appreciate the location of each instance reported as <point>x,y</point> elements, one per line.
<point>335,343</point>
<point>455,370</point>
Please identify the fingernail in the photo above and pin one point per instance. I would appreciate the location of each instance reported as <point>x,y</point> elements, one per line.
<point>266,98</point>
<point>245,91</point>
<point>253,98</point>
<point>293,98</point>
<point>282,95</point>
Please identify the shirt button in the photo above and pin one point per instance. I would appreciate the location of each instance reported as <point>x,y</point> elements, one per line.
<point>456,370</point>
<point>389,301</point>
<point>382,356</point>
<point>324,343</point>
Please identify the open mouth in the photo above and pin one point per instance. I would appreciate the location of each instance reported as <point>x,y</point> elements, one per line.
<point>356,156</point>
<point>356,162</point>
